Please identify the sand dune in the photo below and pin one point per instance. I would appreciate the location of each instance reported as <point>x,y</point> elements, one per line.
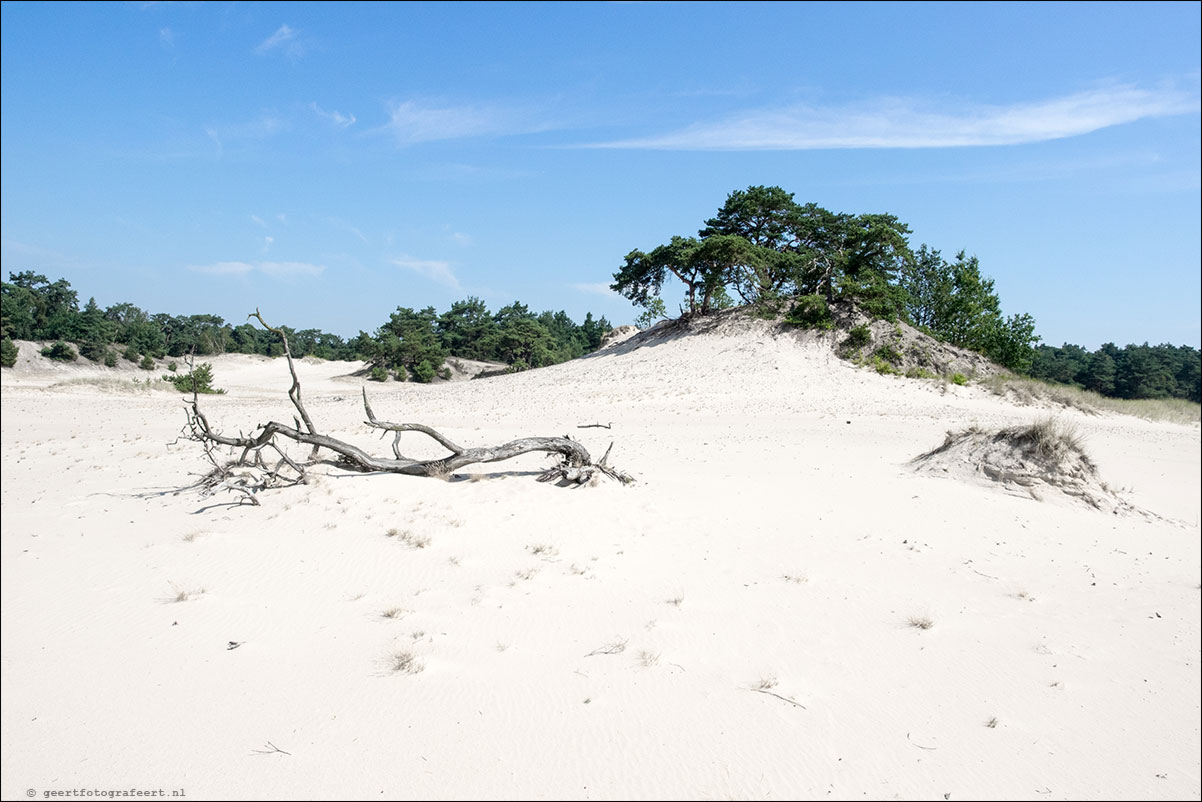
<point>745,621</point>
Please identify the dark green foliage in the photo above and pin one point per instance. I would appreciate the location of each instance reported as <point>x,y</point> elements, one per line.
<point>1136,371</point>
<point>424,372</point>
<point>379,373</point>
<point>147,362</point>
<point>811,312</point>
<point>199,379</point>
<point>93,350</point>
<point>445,373</point>
<point>8,353</point>
<point>888,353</point>
<point>110,358</point>
<point>858,337</point>
<point>60,352</point>
<point>132,354</point>
<point>172,366</point>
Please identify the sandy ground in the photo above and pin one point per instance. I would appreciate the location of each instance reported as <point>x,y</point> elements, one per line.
<point>738,624</point>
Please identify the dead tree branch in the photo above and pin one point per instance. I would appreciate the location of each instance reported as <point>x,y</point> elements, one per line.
<point>251,472</point>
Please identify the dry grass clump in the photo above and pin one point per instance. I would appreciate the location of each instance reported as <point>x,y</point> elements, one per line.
<point>179,594</point>
<point>920,621</point>
<point>409,538</point>
<point>405,662</point>
<point>1049,439</point>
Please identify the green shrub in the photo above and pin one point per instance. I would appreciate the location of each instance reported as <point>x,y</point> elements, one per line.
<point>200,377</point>
<point>959,378</point>
<point>147,363</point>
<point>93,350</point>
<point>445,373</point>
<point>171,366</point>
<point>110,358</point>
<point>60,352</point>
<point>858,337</point>
<point>423,371</point>
<point>132,354</point>
<point>919,373</point>
<point>811,312</point>
<point>378,374</point>
<point>884,368</point>
<point>888,353</point>
<point>8,353</point>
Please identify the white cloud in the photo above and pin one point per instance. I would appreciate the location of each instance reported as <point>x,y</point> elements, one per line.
<point>907,123</point>
<point>166,37</point>
<point>267,241</point>
<point>412,123</point>
<point>434,270</point>
<point>336,117</point>
<point>273,269</point>
<point>282,36</point>
<point>258,220</point>
<point>596,289</point>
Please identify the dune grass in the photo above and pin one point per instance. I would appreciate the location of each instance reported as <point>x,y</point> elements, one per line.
<point>1033,391</point>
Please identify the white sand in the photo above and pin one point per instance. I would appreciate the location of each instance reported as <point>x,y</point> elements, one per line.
<point>775,535</point>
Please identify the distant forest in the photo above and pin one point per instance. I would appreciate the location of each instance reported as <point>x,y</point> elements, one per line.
<point>412,345</point>
<point>762,250</point>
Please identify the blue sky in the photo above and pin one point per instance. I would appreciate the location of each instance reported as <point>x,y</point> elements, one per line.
<point>328,163</point>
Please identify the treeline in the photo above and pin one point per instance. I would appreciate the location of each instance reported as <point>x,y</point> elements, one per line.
<point>411,345</point>
<point>1136,371</point>
<point>777,255</point>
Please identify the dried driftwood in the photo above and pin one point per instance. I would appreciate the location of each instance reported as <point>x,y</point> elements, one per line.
<point>261,463</point>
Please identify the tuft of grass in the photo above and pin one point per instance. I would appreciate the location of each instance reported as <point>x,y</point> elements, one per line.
<point>992,723</point>
<point>1049,438</point>
<point>676,601</point>
<point>648,659</point>
<point>409,538</point>
<point>405,662</point>
<point>958,378</point>
<point>920,621</point>
<point>184,594</point>
<point>797,578</point>
<point>526,573</point>
<point>393,612</point>
<point>766,683</point>
<point>544,550</point>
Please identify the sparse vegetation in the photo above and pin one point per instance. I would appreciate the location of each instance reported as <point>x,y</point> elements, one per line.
<point>405,662</point>
<point>920,621</point>
<point>958,378</point>
<point>613,647</point>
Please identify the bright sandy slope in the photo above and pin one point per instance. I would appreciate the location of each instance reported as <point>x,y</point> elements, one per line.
<point>776,539</point>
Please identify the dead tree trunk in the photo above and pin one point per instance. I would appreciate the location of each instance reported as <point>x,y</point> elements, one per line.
<point>250,471</point>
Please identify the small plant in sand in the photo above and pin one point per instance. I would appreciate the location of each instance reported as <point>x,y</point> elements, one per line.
<point>179,594</point>
<point>648,659</point>
<point>676,600</point>
<point>392,612</point>
<point>766,683</point>
<point>405,662</point>
<point>544,550</point>
<point>795,578</point>
<point>410,539</point>
<point>199,379</point>
<point>920,621</point>
<point>958,378</point>
<point>992,723</point>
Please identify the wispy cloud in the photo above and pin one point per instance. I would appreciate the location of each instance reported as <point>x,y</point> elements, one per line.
<point>345,226</point>
<point>166,37</point>
<point>596,289</point>
<point>434,270</point>
<point>286,40</point>
<point>336,117</point>
<point>258,220</point>
<point>908,123</point>
<point>273,269</point>
<point>282,36</point>
<point>411,122</point>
